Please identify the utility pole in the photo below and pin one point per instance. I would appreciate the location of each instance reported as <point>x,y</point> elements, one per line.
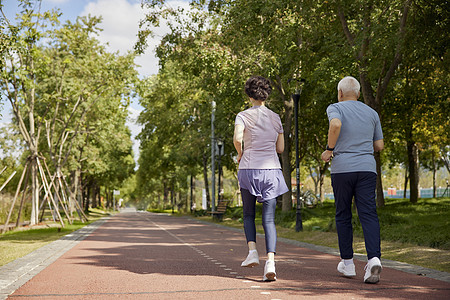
<point>213,154</point>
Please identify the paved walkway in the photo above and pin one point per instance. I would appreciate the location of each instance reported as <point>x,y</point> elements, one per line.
<point>137,255</point>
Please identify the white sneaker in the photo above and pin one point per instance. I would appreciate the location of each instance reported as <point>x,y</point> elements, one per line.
<point>269,271</point>
<point>251,260</point>
<point>373,270</point>
<point>346,270</point>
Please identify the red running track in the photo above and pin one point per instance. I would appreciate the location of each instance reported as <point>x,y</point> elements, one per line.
<point>149,256</point>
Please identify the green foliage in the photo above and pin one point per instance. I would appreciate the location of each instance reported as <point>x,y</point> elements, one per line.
<point>213,53</point>
<point>70,96</point>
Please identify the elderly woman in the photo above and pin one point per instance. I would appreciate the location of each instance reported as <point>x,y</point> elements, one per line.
<point>258,137</point>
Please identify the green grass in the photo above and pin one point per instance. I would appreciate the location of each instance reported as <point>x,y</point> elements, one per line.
<point>426,223</point>
<point>18,243</point>
<point>413,233</point>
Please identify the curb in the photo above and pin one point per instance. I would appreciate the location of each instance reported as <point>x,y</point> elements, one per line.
<point>16,273</point>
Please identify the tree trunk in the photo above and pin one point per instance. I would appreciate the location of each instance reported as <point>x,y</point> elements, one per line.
<point>285,156</point>
<point>434,178</point>
<point>34,192</point>
<point>166,194</point>
<point>413,162</point>
<point>322,171</point>
<point>380,195</point>
<point>406,181</point>
<point>315,179</point>
<point>321,193</point>
<point>205,178</point>
<point>74,191</point>
<point>96,198</point>
<point>192,193</point>
<point>88,196</point>
<point>172,202</point>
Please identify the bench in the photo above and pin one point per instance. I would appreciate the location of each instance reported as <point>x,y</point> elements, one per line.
<point>221,208</point>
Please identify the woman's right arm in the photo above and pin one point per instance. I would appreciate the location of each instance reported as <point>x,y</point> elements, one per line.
<point>280,143</point>
<point>237,140</point>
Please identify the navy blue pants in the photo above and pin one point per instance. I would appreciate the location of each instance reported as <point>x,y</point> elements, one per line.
<point>360,185</point>
<point>268,219</point>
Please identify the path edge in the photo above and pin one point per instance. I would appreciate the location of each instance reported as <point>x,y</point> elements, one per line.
<point>18,272</point>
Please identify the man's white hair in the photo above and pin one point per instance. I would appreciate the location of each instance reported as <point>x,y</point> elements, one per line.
<point>349,84</point>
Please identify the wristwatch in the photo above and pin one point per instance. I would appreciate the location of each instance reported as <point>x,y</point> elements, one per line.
<point>330,149</point>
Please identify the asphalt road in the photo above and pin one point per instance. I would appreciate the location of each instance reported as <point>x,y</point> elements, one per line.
<point>138,255</point>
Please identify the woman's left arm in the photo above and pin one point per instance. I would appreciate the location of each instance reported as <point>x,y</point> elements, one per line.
<point>237,140</point>
<point>280,143</point>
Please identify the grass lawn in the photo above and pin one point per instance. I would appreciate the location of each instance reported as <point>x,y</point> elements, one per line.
<point>413,233</point>
<point>18,243</point>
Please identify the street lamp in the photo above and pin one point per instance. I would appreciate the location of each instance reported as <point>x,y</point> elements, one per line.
<point>219,153</point>
<point>213,163</point>
<point>296,98</point>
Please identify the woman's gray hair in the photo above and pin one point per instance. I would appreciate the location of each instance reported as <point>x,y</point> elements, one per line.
<point>349,84</point>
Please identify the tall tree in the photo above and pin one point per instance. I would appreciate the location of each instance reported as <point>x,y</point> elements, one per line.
<point>20,53</point>
<point>375,33</point>
<point>417,105</point>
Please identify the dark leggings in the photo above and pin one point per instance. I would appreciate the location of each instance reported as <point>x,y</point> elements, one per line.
<point>268,220</point>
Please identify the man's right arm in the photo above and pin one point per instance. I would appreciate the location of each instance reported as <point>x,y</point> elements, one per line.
<point>378,145</point>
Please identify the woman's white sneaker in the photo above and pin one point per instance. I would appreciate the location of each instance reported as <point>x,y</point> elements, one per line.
<point>373,270</point>
<point>346,270</point>
<point>252,260</point>
<point>269,271</point>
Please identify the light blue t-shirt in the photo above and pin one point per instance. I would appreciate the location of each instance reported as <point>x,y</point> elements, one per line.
<point>360,128</point>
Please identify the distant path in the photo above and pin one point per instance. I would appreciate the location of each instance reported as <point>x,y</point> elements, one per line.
<point>137,255</point>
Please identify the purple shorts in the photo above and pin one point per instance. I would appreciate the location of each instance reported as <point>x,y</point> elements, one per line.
<point>265,184</point>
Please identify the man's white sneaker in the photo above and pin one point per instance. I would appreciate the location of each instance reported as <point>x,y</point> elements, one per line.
<point>373,270</point>
<point>269,271</point>
<point>251,260</point>
<point>346,270</point>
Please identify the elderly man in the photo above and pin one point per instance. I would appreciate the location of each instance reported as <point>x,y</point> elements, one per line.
<point>353,136</point>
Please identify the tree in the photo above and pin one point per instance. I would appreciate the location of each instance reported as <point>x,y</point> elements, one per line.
<point>375,34</point>
<point>81,82</point>
<point>20,52</point>
<point>59,80</point>
<point>417,115</point>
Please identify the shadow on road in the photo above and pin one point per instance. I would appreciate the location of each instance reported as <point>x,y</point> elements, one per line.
<point>150,244</point>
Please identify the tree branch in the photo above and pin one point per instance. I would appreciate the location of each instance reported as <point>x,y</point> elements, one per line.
<point>381,89</point>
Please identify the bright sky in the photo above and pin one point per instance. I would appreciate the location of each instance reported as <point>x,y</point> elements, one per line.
<point>120,26</point>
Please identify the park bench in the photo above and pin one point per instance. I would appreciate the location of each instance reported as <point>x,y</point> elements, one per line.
<point>221,208</point>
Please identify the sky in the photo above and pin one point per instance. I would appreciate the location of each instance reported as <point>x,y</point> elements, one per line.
<point>120,26</point>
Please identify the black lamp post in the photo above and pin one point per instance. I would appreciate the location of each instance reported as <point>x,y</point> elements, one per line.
<point>220,153</point>
<point>296,98</point>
